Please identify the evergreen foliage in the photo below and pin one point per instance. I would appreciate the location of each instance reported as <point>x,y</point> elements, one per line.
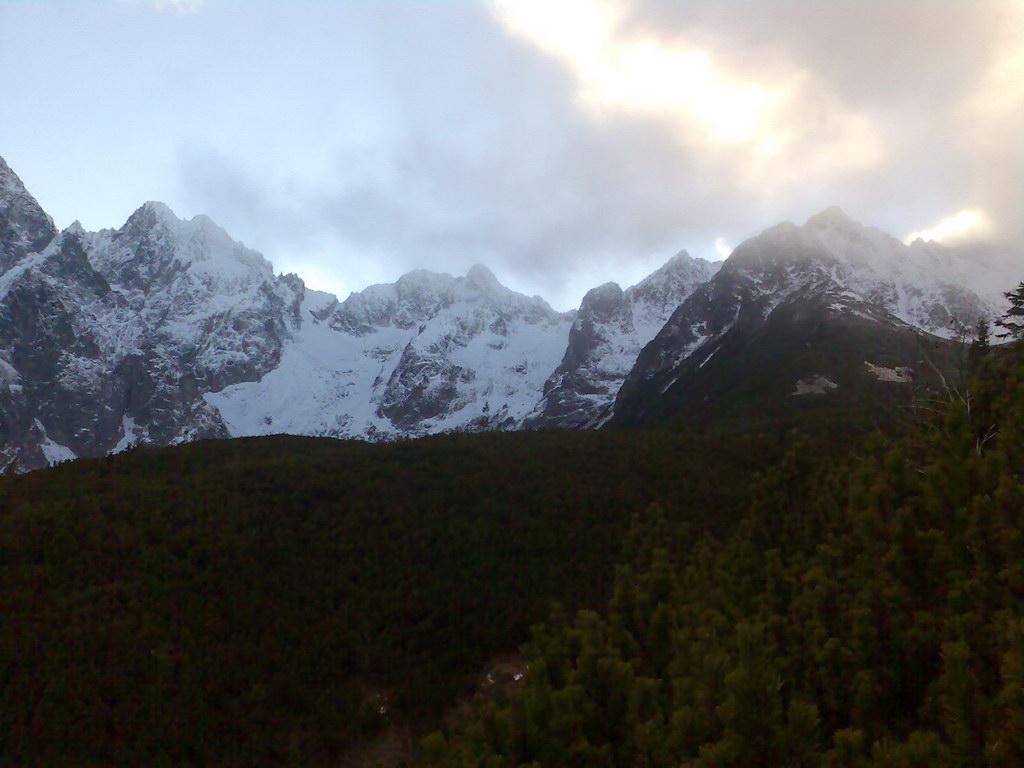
<point>867,612</point>
<point>1013,319</point>
<point>275,601</point>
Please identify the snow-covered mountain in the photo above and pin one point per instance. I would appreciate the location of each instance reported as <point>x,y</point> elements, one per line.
<point>793,287</point>
<point>429,353</point>
<point>166,330</point>
<point>109,339</point>
<point>611,328</point>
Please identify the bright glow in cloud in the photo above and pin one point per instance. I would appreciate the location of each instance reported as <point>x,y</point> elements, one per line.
<point>722,248</point>
<point>683,81</point>
<point>578,30</point>
<point>787,125</point>
<point>963,223</point>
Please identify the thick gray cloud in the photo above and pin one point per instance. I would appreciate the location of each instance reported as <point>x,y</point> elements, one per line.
<point>942,80</point>
<point>352,142</point>
<point>486,159</point>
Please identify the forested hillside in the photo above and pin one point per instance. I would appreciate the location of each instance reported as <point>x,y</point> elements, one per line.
<point>865,612</point>
<point>780,599</point>
<point>275,601</point>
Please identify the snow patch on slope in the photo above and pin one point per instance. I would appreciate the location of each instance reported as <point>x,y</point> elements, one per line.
<point>130,432</point>
<point>814,385</point>
<point>899,375</point>
<point>436,353</point>
<point>52,450</point>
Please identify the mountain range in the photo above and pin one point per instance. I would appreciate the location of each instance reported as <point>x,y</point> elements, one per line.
<point>165,331</point>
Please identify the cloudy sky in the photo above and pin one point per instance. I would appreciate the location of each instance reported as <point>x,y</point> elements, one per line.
<point>561,142</point>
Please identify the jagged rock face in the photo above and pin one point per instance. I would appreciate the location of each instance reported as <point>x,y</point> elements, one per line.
<point>204,300</point>
<point>864,292</point>
<point>429,353</point>
<point>610,330</point>
<point>110,339</point>
<point>24,226</point>
<point>166,330</point>
<point>59,401</point>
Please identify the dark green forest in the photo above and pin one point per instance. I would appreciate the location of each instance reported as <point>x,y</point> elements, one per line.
<point>863,612</point>
<point>775,599</point>
<point>256,602</point>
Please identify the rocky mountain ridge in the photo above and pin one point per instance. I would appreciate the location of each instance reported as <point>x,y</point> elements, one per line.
<point>828,304</point>
<point>25,227</point>
<point>165,330</point>
<point>609,331</point>
<point>110,339</point>
<point>426,354</point>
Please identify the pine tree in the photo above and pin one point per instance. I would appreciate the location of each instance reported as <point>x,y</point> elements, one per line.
<point>1013,319</point>
<point>981,344</point>
<point>981,335</point>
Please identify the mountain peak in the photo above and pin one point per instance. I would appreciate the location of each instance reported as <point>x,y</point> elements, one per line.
<point>9,180</point>
<point>683,264</point>
<point>603,291</point>
<point>7,176</point>
<point>161,212</point>
<point>683,257</point>
<point>150,215</point>
<point>24,226</point>
<point>675,278</point>
<point>417,280</point>
<point>481,277</point>
<point>832,217</point>
<point>601,302</point>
